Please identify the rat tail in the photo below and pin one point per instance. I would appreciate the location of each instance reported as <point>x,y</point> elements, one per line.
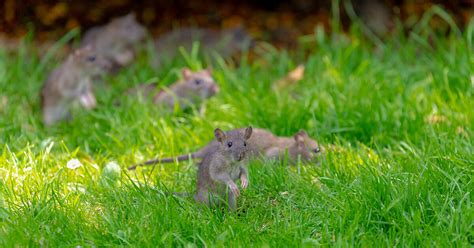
<point>165,160</point>
<point>199,154</point>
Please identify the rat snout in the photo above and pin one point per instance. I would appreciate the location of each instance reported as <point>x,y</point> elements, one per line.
<point>240,156</point>
<point>215,89</point>
<point>105,65</point>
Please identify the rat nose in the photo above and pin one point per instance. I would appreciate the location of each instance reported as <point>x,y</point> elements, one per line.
<point>240,156</point>
<point>215,88</point>
<point>106,65</point>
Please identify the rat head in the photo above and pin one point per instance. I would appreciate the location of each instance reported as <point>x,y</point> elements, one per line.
<point>200,83</point>
<point>91,62</point>
<point>304,146</point>
<point>234,143</point>
<point>240,38</point>
<point>127,29</point>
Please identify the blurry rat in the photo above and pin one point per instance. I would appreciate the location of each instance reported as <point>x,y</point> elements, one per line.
<point>225,42</point>
<point>116,40</point>
<point>193,88</point>
<point>70,82</point>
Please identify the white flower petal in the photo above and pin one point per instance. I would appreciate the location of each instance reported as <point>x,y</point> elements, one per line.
<point>73,164</point>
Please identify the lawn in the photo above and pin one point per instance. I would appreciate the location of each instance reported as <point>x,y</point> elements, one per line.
<point>396,119</point>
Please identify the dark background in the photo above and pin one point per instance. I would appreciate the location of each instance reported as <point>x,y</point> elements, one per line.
<point>273,20</point>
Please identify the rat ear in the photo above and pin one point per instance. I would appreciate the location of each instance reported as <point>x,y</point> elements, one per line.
<point>219,134</point>
<point>77,52</point>
<point>186,72</point>
<point>299,137</point>
<point>303,133</point>
<point>84,50</point>
<point>248,133</point>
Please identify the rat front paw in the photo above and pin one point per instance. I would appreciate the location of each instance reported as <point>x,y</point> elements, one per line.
<point>234,189</point>
<point>244,182</point>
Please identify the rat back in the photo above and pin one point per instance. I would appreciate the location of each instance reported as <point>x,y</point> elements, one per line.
<point>225,43</point>
<point>116,39</point>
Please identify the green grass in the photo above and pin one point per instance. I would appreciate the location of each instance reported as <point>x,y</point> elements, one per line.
<point>393,177</point>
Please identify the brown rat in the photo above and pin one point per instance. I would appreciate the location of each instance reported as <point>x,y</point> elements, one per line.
<point>299,146</point>
<point>116,39</point>
<point>225,42</point>
<point>71,82</point>
<point>222,165</point>
<point>261,143</point>
<point>193,88</point>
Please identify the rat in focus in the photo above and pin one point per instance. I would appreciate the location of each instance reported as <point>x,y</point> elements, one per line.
<point>222,166</point>
<point>261,143</point>
<point>71,82</point>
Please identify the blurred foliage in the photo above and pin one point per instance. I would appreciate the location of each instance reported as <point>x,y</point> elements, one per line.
<point>278,21</point>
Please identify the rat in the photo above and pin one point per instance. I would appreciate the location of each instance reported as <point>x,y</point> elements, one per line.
<point>71,82</point>
<point>193,88</point>
<point>222,165</point>
<point>261,143</point>
<point>116,39</point>
<point>299,146</point>
<point>225,42</point>
<point>375,15</point>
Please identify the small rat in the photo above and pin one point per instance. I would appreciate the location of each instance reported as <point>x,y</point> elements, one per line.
<point>116,39</point>
<point>71,82</point>
<point>195,87</point>
<point>375,15</point>
<point>225,42</point>
<point>261,143</point>
<point>300,145</point>
<point>222,165</point>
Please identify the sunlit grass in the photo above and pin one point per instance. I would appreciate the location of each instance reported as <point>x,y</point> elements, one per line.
<point>396,122</point>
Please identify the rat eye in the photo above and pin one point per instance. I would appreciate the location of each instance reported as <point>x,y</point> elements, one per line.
<point>245,143</point>
<point>91,58</point>
<point>229,144</point>
<point>197,81</point>
<point>316,150</point>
